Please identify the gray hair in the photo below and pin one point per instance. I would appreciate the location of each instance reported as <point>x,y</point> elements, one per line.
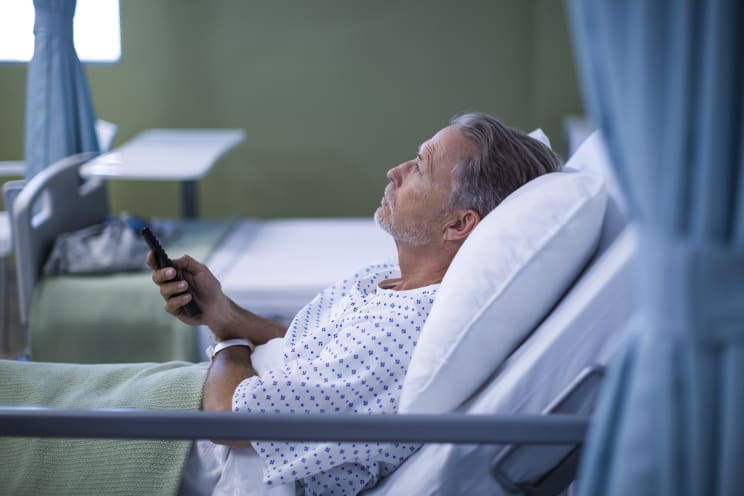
<point>507,159</point>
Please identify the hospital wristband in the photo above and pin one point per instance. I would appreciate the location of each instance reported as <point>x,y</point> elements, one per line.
<point>212,350</point>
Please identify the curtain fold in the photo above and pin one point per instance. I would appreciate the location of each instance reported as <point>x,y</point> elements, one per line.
<point>664,79</point>
<point>60,120</point>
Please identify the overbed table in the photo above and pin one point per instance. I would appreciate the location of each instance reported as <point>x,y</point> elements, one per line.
<point>184,155</point>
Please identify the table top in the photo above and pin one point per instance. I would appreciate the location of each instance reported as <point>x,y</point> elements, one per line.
<point>165,154</point>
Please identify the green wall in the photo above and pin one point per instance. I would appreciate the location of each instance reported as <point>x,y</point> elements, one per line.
<point>331,93</point>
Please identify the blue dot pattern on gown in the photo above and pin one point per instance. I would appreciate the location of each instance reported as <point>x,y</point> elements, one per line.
<point>347,351</point>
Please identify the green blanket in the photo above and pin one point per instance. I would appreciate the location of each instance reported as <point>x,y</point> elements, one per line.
<point>45,466</point>
<point>117,318</point>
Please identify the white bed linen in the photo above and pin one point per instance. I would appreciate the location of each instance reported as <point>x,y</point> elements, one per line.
<point>585,329</point>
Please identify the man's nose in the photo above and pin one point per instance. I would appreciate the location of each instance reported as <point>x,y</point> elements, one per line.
<point>395,175</point>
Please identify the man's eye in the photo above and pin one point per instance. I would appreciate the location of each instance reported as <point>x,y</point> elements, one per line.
<point>416,167</point>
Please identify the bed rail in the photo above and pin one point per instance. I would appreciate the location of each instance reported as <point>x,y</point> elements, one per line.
<point>162,424</point>
<point>76,203</point>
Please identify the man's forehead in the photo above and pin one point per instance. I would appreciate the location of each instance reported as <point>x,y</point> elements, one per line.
<point>432,143</point>
<point>448,140</point>
<point>424,147</point>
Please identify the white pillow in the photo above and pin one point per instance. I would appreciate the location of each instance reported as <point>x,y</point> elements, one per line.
<point>592,156</point>
<point>540,136</point>
<point>508,274</point>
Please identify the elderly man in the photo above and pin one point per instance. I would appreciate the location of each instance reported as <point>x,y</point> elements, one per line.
<point>349,348</point>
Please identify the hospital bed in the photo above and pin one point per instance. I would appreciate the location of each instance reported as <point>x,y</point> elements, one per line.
<point>555,367</point>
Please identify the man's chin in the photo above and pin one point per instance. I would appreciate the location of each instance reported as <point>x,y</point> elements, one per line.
<point>381,221</point>
<point>412,238</point>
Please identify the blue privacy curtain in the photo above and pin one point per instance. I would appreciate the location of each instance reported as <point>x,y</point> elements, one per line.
<point>663,79</point>
<point>59,113</point>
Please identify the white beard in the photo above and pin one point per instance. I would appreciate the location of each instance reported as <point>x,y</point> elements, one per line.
<point>417,236</point>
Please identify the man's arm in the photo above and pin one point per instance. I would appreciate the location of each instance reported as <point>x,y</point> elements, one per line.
<point>225,318</point>
<point>237,322</point>
<point>228,369</point>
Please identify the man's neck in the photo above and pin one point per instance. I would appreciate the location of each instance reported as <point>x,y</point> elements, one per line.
<point>422,265</point>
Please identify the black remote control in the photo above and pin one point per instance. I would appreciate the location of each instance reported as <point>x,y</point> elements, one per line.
<point>161,258</point>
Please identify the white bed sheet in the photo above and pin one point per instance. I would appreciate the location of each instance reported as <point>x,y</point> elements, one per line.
<point>275,267</point>
<point>584,330</point>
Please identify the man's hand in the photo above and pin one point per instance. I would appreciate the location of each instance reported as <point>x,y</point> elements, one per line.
<point>226,319</point>
<point>205,287</point>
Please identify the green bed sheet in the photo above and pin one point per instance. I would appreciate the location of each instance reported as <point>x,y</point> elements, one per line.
<point>47,466</point>
<point>117,318</point>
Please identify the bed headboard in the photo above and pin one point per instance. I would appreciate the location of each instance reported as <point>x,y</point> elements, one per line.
<point>54,201</point>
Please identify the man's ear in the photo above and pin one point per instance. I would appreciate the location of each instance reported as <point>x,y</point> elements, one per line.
<point>460,224</point>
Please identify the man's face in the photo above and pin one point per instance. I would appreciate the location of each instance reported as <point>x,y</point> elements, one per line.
<point>414,207</point>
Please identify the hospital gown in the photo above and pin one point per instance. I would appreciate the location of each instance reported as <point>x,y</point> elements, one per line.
<point>347,351</point>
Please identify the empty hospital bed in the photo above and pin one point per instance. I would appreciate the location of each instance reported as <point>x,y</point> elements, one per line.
<point>579,334</point>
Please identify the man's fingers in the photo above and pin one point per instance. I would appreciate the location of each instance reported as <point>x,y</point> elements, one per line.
<point>170,289</point>
<point>160,276</point>
<point>188,264</point>
<point>174,292</point>
<point>184,263</point>
<point>173,305</point>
